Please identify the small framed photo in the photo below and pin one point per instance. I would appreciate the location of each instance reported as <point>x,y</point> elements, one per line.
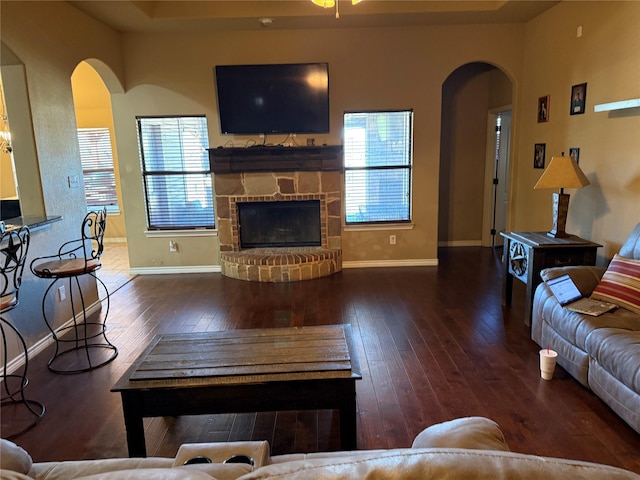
<point>575,154</point>
<point>539,154</point>
<point>543,109</point>
<point>578,99</point>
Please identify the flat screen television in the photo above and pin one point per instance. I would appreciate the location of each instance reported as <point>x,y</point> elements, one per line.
<point>279,98</point>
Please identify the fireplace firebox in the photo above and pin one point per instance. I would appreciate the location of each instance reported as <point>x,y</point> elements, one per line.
<point>294,223</point>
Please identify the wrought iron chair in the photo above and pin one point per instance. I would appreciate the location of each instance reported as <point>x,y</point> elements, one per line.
<point>86,333</point>
<point>14,246</point>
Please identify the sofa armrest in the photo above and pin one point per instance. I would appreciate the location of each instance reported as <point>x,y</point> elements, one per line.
<point>586,277</point>
<point>476,433</point>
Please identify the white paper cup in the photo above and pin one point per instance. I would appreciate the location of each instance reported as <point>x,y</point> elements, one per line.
<point>547,363</point>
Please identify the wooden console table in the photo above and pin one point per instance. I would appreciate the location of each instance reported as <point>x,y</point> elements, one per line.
<point>526,254</point>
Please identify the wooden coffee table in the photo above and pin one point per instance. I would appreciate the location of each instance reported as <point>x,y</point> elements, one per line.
<point>305,368</point>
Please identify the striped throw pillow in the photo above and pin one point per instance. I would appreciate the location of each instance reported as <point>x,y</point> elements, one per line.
<point>620,284</point>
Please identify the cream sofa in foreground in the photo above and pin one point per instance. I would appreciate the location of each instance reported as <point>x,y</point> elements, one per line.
<point>466,448</point>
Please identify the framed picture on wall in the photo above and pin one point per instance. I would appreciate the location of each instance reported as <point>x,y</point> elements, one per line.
<point>574,153</point>
<point>578,99</point>
<point>543,109</point>
<point>539,154</point>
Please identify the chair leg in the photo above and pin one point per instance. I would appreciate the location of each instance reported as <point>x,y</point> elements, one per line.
<point>13,386</point>
<point>87,336</point>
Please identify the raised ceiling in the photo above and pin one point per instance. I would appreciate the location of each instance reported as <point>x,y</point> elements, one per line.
<point>189,16</point>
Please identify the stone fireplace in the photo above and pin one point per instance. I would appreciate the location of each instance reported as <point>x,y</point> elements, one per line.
<point>287,174</point>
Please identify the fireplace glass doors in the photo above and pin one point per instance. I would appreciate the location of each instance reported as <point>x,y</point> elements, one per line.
<point>294,223</point>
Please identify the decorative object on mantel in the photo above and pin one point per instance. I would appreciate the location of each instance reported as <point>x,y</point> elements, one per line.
<point>543,108</point>
<point>332,3</point>
<point>578,99</point>
<point>539,152</point>
<point>563,172</point>
<point>621,105</point>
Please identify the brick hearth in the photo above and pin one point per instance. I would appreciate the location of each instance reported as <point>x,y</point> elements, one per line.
<point>279,264</point>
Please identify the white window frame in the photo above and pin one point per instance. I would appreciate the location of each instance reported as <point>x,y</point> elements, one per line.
<point>364,180</point>
<point>176,156</point>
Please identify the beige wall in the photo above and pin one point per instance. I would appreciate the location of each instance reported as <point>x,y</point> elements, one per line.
<point>383,68</point>
<point>607,58</point>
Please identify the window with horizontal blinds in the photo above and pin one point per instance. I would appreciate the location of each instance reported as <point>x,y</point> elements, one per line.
<point>377,160</point>
<point>176,172</point>
<point>96,155</point>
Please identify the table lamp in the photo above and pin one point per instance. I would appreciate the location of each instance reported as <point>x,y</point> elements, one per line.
<point>562,172</point>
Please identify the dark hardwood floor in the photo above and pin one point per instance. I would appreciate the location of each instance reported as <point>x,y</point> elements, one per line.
<point>433,344</point>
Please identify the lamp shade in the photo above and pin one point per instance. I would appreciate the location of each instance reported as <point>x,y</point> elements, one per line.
<point>562,172</point>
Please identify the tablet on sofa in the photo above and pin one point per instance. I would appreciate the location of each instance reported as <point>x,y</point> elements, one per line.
<point>570,297</point>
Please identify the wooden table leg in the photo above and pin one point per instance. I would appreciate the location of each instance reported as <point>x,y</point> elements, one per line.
<point>348,421</point>
<point>134,426</point>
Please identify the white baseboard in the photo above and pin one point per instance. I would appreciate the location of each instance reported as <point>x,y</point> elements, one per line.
<point>43,343</point>
<point>170,270</point>
<point>418,262</point>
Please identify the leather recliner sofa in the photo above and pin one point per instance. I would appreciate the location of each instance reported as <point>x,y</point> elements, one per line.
<point>602,353</point>
<point>465,448</point>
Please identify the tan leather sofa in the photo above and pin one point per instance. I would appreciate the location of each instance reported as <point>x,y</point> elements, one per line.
<point>466,448</point>
<point>602,353</point>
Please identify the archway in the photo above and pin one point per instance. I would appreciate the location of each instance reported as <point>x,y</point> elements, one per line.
<point>94,118</point>
<point>472,96</point>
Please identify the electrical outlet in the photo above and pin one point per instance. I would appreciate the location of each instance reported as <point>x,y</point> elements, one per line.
<point>62,294</point>
<point>392,239</point>
<point>73,181</point>
<point>173,246</point>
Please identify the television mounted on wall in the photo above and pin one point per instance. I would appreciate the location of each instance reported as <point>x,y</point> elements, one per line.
<point>277,98</point>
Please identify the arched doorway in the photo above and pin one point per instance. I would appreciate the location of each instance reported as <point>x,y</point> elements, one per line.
<point>474,96</point>
<point>96,135</point>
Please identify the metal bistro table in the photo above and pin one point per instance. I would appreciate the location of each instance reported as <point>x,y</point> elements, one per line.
<point>305,368</point>
<point>526,254</point>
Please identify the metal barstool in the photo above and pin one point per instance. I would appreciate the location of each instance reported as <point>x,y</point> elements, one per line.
<point>14,246</point>
<point>86,334</point>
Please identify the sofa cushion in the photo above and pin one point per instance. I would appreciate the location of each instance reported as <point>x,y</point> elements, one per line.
<point>622,400</point>
<point>618,352</point>
<point>576,327</point>
<point>151,474</point>
<point>477,433</point>
<point>83,468</point>
<point>620,284</point>
<point>438,464</point>
<point>631,247</point>
<point>11,475</point>
<point>13,457</point>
